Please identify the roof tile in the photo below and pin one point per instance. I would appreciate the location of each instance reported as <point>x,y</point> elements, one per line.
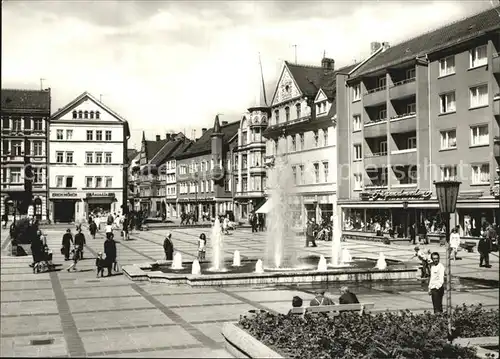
<point>17,99</point>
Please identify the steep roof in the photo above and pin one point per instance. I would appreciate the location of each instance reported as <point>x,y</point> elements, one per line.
<point>17,99</point>
<point>131,153</point>
<point>329,81</point>
<point>435,40</point>
<point>152,148</point>
<point>167,149</point>
<point>181,149</point>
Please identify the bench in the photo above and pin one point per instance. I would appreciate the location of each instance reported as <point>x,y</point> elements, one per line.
<point>468,246</point>
<point>336,309</point>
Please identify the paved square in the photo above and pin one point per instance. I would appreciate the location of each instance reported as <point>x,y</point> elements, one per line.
<point>77,314</point>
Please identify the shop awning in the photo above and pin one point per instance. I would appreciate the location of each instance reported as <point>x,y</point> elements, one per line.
<point>265,208</point>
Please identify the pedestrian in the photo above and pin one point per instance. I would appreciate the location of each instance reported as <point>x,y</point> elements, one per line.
<point>110,252</point>
<point>125,226</point>
<point>5,219</point>
<point>92,229</point>
<point>100,263</point>
<point>254,222</point>
<point>454,242</point>
<point>80,240</point>
<point>310,233</point>
<point>347,297</point>
<point>483,248</point>
<point>77,252</point>
<point>168,247</point>
<point>424,258</point>
<point>202,244</point>
<point>320,299</point>
<point>225,225</point>
<point>413,234</point>
<point>436,283</point>
<point>109,230</point>
<point>67,242</point>
<point>37,253</point>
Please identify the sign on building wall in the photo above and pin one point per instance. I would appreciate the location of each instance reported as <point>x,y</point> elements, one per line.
<point>394,195</point>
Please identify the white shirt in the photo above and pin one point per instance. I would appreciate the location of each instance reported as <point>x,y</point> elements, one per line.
<point>436,280</point>
<point>454,240</point>
<point>109,228</point>
<point>201,245</point>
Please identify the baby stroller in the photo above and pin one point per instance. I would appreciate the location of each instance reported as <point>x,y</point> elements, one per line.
<point>46,262</point>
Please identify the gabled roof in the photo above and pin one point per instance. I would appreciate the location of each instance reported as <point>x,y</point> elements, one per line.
<point>184,146</point>
<point>85,96</point>
<point>435,40</point>
<point>169,146</point>
<point>18,99</point>
<point>131,154</point>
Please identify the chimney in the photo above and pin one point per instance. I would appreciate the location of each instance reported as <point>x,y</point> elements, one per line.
<point>224,123</point>
<point>386,45</point>
<point>375,46</point>
<point>328,63</point>
<point>168,136</point>
<point>203,130</point>
<point>158,138</point>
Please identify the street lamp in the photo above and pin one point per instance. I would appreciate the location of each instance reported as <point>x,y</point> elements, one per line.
<point>447,195</point>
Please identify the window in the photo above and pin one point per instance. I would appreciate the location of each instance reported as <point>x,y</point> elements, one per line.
<point>410,74</point>
<point>98,157</point>
<point>447,66</point>
<point>69,182</point>
<point>356,92</point>
<point>357,152</point>
<point>358,184</point>
<point>448,139</point>
<point>277,116</point>
<point>287,114</point>
<point>97,115</point>
<point>80,114</point>
<point>98,182</point>
<point>412,142</point>
<point>294,173</point>
<point>69,157</point>
<point>301,141</point>
<point>383,148</point>
<point>381,82</point>
<point>88,157</point>
<point>16,124</point>
<point>356,123</point>
<point>316,138</point>
<point>294,143</point>
<point>244,184</point>
<point>59,134</point>
<point>38,124</point>
<point>109,182</point>
<point>479,135</point>
<point>5,122</point>
<point>16,146</point>
<point>325,137</point>
<point>15,175</point>
<point>382,114</point>
<point>88,182</point>
<point>481,174</point>
<point>479,96</point>
<point>74,114</point>
<point>59,181</point>
<point>325,170</point>
<point>37,148</point>
<point>90,136</point>
<point>91,115</point>
<point>316,173</point>
<point>478,56</point>
<point>108,157</point>
<point>411,108</point>
<point>59,157</point>
<point>447,102</point>
<point>85,114</point>
<point>299,110</point>
<point>38,175</point>
<point>108,135</point>
<point>302,177</point>
<point>69,134</point>
<point>98,135</point>
<point>448,173</point>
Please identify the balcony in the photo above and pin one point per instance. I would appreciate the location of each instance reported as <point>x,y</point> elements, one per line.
<point>257,169</point>
<point>403,89</point>
<point>376,128</point>
<point>496,105</point>
<point>374,97</point>
<point>269,160</point>
<point>496,63</point>
<point>404,122</point>
<point>404,157</point>
<point>377,159</point>
<point>496,146</point>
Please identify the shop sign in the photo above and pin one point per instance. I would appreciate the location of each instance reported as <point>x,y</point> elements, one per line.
<point>63,194</point>
<point>100,194</point>
<point>394,195</point>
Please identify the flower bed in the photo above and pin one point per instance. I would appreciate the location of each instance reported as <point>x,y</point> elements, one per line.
<point>383,335</point>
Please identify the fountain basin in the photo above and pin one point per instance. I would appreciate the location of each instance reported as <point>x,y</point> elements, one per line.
<point>361,270</point>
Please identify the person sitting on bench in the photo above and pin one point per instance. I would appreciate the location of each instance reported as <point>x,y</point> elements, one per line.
<point>347,297</point>
<point>320,299</point>
<point>296,303</point>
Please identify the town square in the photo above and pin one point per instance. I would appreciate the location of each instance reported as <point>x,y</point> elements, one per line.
<point>250,179</point>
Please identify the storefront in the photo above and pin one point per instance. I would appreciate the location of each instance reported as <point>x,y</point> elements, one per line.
<point>319,207</point>
<point>100,202</point>
<point>63,206</point>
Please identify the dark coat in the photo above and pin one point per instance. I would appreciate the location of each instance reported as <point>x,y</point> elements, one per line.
<point>67,240</point>
<point>80,239</point>
<point>483,246</point>
<point>92,228</point>
<point>37,250</point>
<point>110,249</point>
<point>348,298</point>
<point>168,247</point>
<point>321,300</point>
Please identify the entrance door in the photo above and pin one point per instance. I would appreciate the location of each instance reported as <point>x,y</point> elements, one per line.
<point>38,208</point>
<point>64,211</point>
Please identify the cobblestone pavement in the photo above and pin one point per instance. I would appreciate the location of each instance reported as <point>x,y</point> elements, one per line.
<point>76,314</point>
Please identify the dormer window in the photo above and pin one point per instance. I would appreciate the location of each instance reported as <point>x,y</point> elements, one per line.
<point>75,114</point>
<point>287,88</point>
<point>299,110</point>
<point>97,115</point>
<point>91,115</point>
<point>80,114</point>
<point>86,114</point>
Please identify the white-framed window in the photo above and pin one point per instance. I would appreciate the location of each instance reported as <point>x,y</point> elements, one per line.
<point>59,134</point>
<point>16,124</point>
<point>316,172</point>
<point>383,148</point>
<point>294,173</point>
<point>356,92</point>
<point>479,135</point>
<point>107,157</point>
<point>316,138</point>
<point>325,137</point>
<point>357,152</point>
<point>478,96</point>
<point>358,181</point>
<point>38,124</point>
<point>447,102</point>
<point>412,142</point>
<point>98,157</point>
<point>447,66</point>
<point>449,173</point>
<point>98,182</point>
<point>298,109</point>
<point>287,114</point>
<point>478,56</point>
<point>98,135</point>
<point>17,148</point>
<point>69,157</point>
<point>302,175</point>
<point>411,74</point>
<point>59,157</point>
<point>88,182</point>
<point>38,175</point>
<point>90,135</point>
<point>381,82</point>
<point>59,181</point>
<point>108,135</point>
<point>301,135</point>
<point>109,182</point>
<point>448,139</point>
<point>382,114</point>
<point>69,134</point>
<point>15,175</point>
<point>325,170</point>
<point>411,108</point>
<point>481,173</point>
<point>294,143</point>
<point>37,148</point>
<point>356,123</point>
<point>89,157</point>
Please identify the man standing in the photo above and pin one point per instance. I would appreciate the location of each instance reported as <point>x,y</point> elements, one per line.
<point>436,283</point>
<point>311,232</point>
<point>483,248</point>
<point>80,240</point>
<point>168,248</point>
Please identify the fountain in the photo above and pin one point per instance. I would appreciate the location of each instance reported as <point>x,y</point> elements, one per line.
<point>346,256</point>
<point>217,245</point>
<point>196,269</point>
<point>259,267</point>
<point>236,259</point>
<point>322,265</point>
<point>381,262</point>
<point>177,262</point>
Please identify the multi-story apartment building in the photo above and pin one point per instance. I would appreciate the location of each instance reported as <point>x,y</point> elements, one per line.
<point>421,111</point>
<point>151,176</point>
<point>132,158</point>
<point>302,129</point>
<point>171,182</point>
<point>204,171</point>
<point>25,117</point>
<point>88,160</point>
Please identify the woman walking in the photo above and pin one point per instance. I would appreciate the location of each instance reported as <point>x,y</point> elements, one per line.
<point>110,252</point>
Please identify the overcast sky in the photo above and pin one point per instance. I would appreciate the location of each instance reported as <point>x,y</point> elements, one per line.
<point>173,65</point>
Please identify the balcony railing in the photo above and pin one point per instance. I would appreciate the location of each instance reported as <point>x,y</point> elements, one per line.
<point>377,89</point>
<point>405,81</point>
<point>376,154</point>
<point>403,116</point>
<point>376,184</point>
<point>376,121</point>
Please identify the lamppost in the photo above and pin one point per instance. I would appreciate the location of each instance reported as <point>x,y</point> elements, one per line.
<point>447,195</point>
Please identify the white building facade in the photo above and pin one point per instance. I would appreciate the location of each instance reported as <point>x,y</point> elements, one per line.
<point>87,153</point>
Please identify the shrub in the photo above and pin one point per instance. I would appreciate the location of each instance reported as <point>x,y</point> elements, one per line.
<point>384,335</point>
<point>23,231</point>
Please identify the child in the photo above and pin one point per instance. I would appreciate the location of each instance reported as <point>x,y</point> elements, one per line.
<point>202,243</point>
<point>424,258</point>
<point>76,257</point>
<point>100,263</point>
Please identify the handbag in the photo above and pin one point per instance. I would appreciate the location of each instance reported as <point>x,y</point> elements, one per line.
<point>62,250</point>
